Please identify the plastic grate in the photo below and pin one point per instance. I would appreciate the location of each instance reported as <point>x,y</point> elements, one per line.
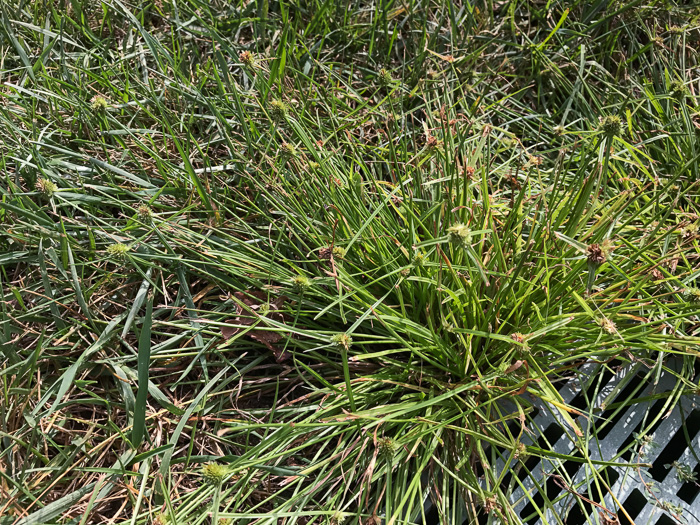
<point>664,494</point>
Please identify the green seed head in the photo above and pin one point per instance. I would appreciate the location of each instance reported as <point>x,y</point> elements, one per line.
<point>144,213</point>
<point>288,149</point>
<point>46,187</point>
<point>517,337</point>
<point>386,447</point>
<point>118,251</point>
<point>301,283</point>
<point>214,473</point>
<point>419,259</point>
<point>98,103</point>
<point>677,89</point>
<point>385,78</point>
<point>278,110</point>
<point>161,519</point>
<point>611,125</point>
<point>521,452</point>
<point>606,249</point>
<point>607,325</point>
<point>341,339</point>
<point>247,58</point>
<point>337,518</point>
<point>339,252</point>
<point>522,340</point>
<point>693,294</point>
<point>459,234</point>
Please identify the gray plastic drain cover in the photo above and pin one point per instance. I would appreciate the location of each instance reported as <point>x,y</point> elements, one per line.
<point>648,431</point>
<point>661,428</point>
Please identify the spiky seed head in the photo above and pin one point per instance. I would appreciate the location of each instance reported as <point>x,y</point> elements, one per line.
<point>341,339</point>
<point>607,325</point>
<point>521,452</point>
<point>676,30</point>
<point>214,473</point>
<point>288,149</point>
<point>611,125</point>
<point>459,234</point>
<point>118,251</point>
<point>606,249</point>
<point>278,110</point>
<point>339,252</point>
<point>385,78</point>
<point>386,447</point>
<point>144,212</point>
<point>689,231</point>
<point>677,89</point>
<point>517,337</point>
<point>419,259</point>
<point>534,160</point>
<point>434,75</point>
<point>314,165</point>
<point>98,103</point>
<point>595,254</point>
<point>558,130</point>
<point>46,187</point>
<point>337,518</point>
<point>225,521</point>
<point>491,504</point>
<point>692,293</point>
<point>301,283</point>
<point>432,143</point>
<point>161,519</point>
<point>247,58</point>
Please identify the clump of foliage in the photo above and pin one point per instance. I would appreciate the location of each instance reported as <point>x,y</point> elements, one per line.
<point>335,255</point>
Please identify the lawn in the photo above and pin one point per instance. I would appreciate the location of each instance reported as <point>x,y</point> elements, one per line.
<point>322,262</point>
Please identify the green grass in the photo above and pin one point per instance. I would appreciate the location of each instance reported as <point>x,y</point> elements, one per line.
<point>330,245</point>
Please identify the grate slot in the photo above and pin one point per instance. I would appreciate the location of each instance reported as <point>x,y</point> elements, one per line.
<point>634,504</point>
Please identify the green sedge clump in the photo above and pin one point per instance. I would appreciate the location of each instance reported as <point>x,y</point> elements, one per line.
<point>214,473</point>
<point>459,234</point>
